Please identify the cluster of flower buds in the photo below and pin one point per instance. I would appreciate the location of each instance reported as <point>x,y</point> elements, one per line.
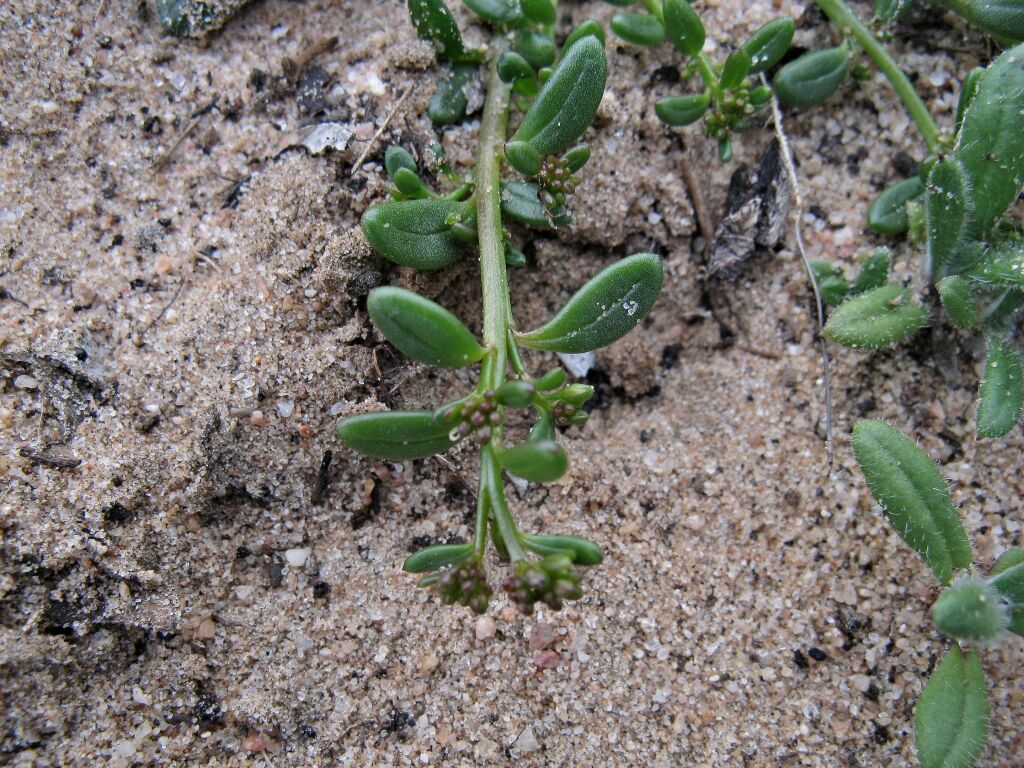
<point>551,581</point>
<point>556,181</point>
<point>567,404</point>
<point>476,415</point>
<point>465,583</point>
<point>733,111</point>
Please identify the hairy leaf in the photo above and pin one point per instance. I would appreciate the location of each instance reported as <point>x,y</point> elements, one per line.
<point>831,282</point>
<point>683,27</point>
<point>604,309</point>
<point>948,212</point>
<point>540,461</point>
<point>913,496</point>
<point>951,720</point>
<point>422,329</point>
<point>971,609</point>
<point>682,110</point>
<point>396,435</point>
<point>1012,588</point>
<point>568,101</point>
<point>1001,391</point>
<point>874,271</point>
<point>813,77</point>
<point>434,558</point>
<point>769,44</point>
<point>1003,18</point>
<point>889,11</point>
<point>876,319</point>
<point>417,233</point>
<point>582,551</point>
<point>991,140</point>
<point>968,90</point>
<point>888,213</point>
<point>958,300</point>
<point>1001,269</point>
<point>638,28</point>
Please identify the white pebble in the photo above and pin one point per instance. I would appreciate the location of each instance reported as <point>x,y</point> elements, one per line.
<point>297,557</point>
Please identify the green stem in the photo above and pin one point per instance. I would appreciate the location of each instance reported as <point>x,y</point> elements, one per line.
<point>490,475</point>
<point>493,273</point>
<point>482,513</point>
<point>848,23</point>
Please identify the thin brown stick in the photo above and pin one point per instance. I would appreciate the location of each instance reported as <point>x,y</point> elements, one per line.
<point>383,127</point>
<point>798,214</point>
<point>158,318</point>
<point>700,208</point>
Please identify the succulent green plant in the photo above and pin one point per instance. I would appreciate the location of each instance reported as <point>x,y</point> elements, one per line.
<point>731,95</point>
<point>951,720</point>
<point>559,92</point>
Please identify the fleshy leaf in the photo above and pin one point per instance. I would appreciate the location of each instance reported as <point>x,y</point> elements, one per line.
<point>495,11</point>
<point>874,271</point>
<point>888,213</point>
<point>512,66</point>
<point>433,21</point>
<point>948,212</point>
<point>769,44</point>
<point>540,461</point>
<point>519,201</point>
<point>537,48</point>
<point>876,319</point>
<point>434,558</point>
<point>951,720</point>
<point>396,435</point>
<point>913,496</point>
<point>1001,268</point>
<point>638,28</point>
<point>1001,391</point>
<point>448,105</point>
<point>588,28</point>
<point>812,78</point>
<point>604,309</point>
<point>422,329</point>
<point>396,158</point>
<point>832,284</point>
<point>736,67</point>
<point>539,11</point>
<point>582,551</point>
<point>410,185</point>
<point>417,233</point>
<point>1002,18</point>
<point>567,103</point>
<point>682,110</point>
<point>683,27</point>
<point>991,140</point>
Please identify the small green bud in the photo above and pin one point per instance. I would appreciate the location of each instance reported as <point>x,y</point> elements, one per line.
<point>970,609</point>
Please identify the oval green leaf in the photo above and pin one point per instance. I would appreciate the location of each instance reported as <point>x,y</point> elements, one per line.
<point>812,78</point>
<point>991,140</point>
<point>396,158</point>
<point>638,28</point>
<point>958,300</point>
<point>567,103</point>
<point>410,185</point>
<point>769,44</point>
<point>539,11</point>
<point>1002,18</point>
<point>913,496</point>
<point>683,27</point>
<point>874,271</point>
<point>541,461</point>
<point>947,212</point>
<point>417,233</point>
<point>495,11</point>
<point>582,551</point>
<point>604,309</point>
<point>951,720</point>
<point>971,609</point>
<point>537,48</point>
<point>434,22</point>
<point>577,157</point>
<point>736,67</point>
<point>1012,587</point>
<point>520,202</point>
<point>588,28</point>
<point>682,110</point>
<point>434,558</point>
<point>422,329</point>
<point>1001,390</point>
<point>888,213</point>
<point>396,435</point>
<point>523,156</point>
<point>832,284</point>
<point>876,319</point>
<point>512,66</point>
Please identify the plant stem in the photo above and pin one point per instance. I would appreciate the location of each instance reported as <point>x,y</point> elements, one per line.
<point>848,23</point>
<point>493,273</point>
<point>490,476</point>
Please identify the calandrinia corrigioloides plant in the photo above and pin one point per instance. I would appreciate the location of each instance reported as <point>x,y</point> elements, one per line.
<point>730,95</point>
<point>951,719</point>
<point>427,230</point>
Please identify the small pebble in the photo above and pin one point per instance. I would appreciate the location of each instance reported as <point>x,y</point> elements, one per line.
<point>428,664</point>
<point>257,419</point>
<point>546,659</point>
<point>25,382</point>
<point>542,636</point>
<point>207,629</point>
<point>485,628</point>
<point>254,743</point>
<point>297,557</point>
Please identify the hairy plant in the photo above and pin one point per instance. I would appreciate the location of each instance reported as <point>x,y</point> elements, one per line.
<point>560,92</point>
<point>951,720</point>
<point>730,96</point>
<point>959,210</point>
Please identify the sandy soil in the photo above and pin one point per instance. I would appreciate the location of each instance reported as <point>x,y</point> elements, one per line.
<point>181,327</point>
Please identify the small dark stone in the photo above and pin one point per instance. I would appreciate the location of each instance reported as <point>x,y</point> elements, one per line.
<point>321,589</point>
<point>275,571</point>
<point>117,240</point>
<point>105,42</point>
<point>872,692</point>
<point>242,552</point>
<point>307,731</point>
<point>116,513</point>
<point>881,735</point>
<point>645,436</point>
<point>669,356</point>
<point>904,164</point>
<point>817,654</point>
<point>799,659</point>
<point>164,222</point>
<point>207,708</point>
